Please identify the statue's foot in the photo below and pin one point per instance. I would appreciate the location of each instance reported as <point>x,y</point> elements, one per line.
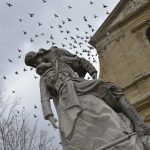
<point>142,129</point>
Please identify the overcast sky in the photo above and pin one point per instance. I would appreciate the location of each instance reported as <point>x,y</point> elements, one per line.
<point>12,38</point>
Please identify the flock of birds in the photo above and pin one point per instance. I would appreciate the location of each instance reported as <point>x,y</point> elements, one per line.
<point>76,43</point>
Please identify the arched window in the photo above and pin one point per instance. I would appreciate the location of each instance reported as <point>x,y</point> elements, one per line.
<point>148,34</point>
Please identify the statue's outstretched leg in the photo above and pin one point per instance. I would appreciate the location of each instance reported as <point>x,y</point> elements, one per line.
<point>140,127</point>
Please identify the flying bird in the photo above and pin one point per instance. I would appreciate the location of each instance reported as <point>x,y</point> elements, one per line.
<point>35,106</point>
<point>13,91</point>
<point>69,19</point>
<point>91,2</point>
<point>56,16</point>
<point>44,1</point>
<point>24,32</point>
<point>19,56</point>
<point>36,35</point>
<point>67,31</point>
<point>47,41</point>
<point>16,72</point>
<point>105,6</point>
<point>92,29</point>
<point>61,31</point>
<point>31,40</point>
<point>10,60</point>
<point>53,43</point>
<point>95,16</point>
<point>9,4</point>
<point>35,116</point>
<point>77,29</point>
<point>59,26</point>
<point>69,7</point>
<point>84,18</point>
<point>63,22</point>
<point>35,77</point>
<point>63,45</point>
<point>24,69</point>
<point>20,20</point>
<point>19,50</point>
<point>89,26</point>
<point>31,14</point>
<point>42,34</point>
<point>51,37</point>
<point>4,77</point>
<point>107,13</point>
<point>39,23</point>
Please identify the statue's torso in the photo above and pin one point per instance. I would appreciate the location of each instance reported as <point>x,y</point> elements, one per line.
<point>57,74</point>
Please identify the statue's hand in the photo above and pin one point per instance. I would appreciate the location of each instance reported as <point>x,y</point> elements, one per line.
<point>94,75</point>
<point>53,121</point>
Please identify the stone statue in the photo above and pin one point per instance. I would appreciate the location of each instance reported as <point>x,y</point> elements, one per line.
<point>92,113</point>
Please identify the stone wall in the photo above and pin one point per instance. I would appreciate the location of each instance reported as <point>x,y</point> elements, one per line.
<point>124,55</point>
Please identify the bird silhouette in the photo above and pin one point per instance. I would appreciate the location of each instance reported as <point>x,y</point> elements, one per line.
<point>31,14</point>
<point>35,106</point>
<point>47,41</point>
<point>95,16</point>
<point>56,16</point>
<point>16,72</point>
<point>42,34</point>
<point>19,56</point>
<point>59,26</point>
<point>107,13</point>
<point>51,37</point>
<point>39,23</point>
<point>13,91</point>
<point>67,31</point>
<point>63,22</point>
<point>24,32</point>
<point>44,1</point>
<point>19,50</point>
<point>4,77</point>
<point>77,29</point>
<point>10,60</point>
<point>24,69</point>
<point>9,4</point>
<point>91,2</point>
<point>69,19</point>
<point>31,40</point>
<point>85,19</point>
<point>69,7</point>
<point>35,77</point>
<point>36,35</point>
<point>20,20</point>
<point>35,116</point>
<point>105,6</point>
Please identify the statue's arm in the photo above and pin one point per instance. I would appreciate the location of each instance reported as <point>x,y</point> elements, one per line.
<point>45,100</point>
<point>87,65</point>
<point>77,62</point>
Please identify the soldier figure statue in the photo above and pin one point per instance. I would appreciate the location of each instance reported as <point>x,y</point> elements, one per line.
<point>91,113</point>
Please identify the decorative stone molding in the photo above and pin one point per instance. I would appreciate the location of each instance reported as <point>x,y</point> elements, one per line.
<point>136,80</point>
<point>130,7</point>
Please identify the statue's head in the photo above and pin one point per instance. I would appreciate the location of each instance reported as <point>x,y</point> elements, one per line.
<point>30,59</point>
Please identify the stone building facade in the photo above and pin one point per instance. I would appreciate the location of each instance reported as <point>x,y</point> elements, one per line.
<point>123,45</point>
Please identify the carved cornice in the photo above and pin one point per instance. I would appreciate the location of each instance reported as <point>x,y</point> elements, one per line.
<point>136,80</point>
<point>145,22</point>
<point>143,103</point>
<point>104,29</point>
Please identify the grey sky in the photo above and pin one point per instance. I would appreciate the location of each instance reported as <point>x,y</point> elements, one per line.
<point>12,38</point>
